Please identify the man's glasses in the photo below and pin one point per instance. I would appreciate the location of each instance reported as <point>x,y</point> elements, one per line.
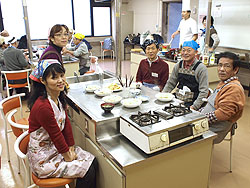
<point>225,66</point>
<point>62,35</point>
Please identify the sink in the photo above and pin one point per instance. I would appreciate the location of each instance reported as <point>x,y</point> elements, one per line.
<point>88,77</point>
<point>69,58</point>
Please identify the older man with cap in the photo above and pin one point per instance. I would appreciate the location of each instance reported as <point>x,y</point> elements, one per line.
<point>190,76</point>
<point>14,58</point>
<point>188,27</point>
<point>80,50</point>
<point>152,72</point>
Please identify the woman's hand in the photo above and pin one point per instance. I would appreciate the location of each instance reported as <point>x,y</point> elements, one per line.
<point>68,156</point>
<point>72,150</point>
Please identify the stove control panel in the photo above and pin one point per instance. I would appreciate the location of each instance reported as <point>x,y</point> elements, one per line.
<point>199,127</point>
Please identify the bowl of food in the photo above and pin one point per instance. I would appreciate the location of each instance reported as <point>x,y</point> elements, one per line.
<point>107,107</point>
<point>92,88</point>
<point>164,97</point>
<point>131,102</point>
<point>115,87</point>
<point>114,99</point>
<point>103,92</point>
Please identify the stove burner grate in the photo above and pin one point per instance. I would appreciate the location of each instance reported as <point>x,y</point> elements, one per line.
<point>177,110</point>
<point>144,119</point>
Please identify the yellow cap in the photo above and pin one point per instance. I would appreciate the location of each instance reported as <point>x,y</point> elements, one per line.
<point>79,36</point>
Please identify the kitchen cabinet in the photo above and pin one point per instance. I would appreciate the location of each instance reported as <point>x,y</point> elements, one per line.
<point>108,175</point>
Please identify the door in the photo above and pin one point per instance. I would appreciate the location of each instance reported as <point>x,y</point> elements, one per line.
<point>172,21</point>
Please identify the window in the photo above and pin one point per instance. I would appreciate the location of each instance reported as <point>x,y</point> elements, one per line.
<point>85,16</point>
<point>101,21</point>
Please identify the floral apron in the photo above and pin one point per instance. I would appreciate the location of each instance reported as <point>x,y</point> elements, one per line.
<point>44,159</point>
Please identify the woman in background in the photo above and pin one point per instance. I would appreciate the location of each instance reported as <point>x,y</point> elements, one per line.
<point>213,39</point>
<point>51,150</point>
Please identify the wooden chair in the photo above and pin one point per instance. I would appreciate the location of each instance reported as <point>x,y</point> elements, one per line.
<point>21,146</point>
<point>7,105</point>
<point>104,49</point>
<point>230,139</point>
<point>21,78</point>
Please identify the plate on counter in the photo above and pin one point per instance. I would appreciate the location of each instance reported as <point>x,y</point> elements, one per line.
<point>92,88</point>
<point>131,102</point>
<point>103,92</point>
<point>143,98</point>
<point>164,97</point>
<point>114,99</point>
<point>115,87</point>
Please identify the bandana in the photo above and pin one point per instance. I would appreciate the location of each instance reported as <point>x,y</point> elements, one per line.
<point>191,44</point>
<point>38,72</point>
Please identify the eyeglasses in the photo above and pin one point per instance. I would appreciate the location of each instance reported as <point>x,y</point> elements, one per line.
<point>62,35</point>
<point>225,66</point>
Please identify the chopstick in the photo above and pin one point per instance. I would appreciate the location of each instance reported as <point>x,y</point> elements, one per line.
<point>131,80</point>
<point>126,81</point>
<point>120,80</point>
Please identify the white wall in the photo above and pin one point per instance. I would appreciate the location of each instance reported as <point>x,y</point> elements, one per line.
<point>146,15</point>
<point>233,26</point>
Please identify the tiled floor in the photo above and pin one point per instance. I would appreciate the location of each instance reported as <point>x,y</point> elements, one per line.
<point>220,176</point>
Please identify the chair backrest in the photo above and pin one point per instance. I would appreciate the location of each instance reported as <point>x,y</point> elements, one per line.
<point>107,44</point>
<point>11,103</point>
<point>21,144</point>
<point>17,128</point>
<point>17,79</point>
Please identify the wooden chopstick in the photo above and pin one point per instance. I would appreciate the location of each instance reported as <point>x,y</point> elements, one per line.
<point>131,80</point>
<point>126,81</point>
<point>120,80</point>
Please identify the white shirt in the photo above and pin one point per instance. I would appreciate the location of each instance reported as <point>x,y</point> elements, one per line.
<point>187,29</point>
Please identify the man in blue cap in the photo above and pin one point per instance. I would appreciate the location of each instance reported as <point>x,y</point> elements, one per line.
<point>190,76</point>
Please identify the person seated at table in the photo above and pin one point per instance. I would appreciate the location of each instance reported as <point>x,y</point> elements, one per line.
<point>190,76</point>
<point>153,71</point>
<point>51,150</point>
<point>225,104</point>
<point>80,50</point>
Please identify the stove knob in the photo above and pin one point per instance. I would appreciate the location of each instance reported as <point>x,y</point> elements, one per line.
<point>204,124</point>
<point>164,138</point>
<point>197,127</point>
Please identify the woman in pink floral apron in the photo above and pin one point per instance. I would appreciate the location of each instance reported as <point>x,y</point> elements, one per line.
<point>51,150</point>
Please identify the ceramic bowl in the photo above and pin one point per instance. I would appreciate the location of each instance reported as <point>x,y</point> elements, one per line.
<point>107,107</point>
<point>114,99</point>
<point>103,92</point>
<point>164,97</point>
<point>92,88</point>
<point>131,102</point>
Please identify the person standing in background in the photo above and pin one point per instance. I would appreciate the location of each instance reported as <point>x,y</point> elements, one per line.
<point>80,50</point>
<point>188,26</point>
<point>213,39</point>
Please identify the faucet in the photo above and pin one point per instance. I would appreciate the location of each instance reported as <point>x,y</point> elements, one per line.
<point>77,78</point>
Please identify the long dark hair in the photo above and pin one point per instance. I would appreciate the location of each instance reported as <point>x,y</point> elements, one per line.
<point>38,89</point>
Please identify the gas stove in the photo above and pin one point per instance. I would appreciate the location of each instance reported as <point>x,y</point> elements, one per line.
<point>160,128</point>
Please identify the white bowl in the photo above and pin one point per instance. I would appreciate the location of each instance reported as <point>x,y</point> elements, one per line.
<point>134,92</point>
<point>114,99</point>
<point>92,88</point>
<point>103,92</point>
<point>131,102</point>
<point>164,97</point>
